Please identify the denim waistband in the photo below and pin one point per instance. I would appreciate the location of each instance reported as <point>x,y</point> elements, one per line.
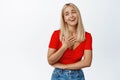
<point>66,74</point>
<point>68,70</point>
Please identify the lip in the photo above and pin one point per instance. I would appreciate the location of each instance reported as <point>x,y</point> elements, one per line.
<point>72,19</point>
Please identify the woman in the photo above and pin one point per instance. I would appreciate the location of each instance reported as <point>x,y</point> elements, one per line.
<point>70,47</point>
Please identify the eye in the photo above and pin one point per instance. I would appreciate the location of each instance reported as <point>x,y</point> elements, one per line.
<point>73,11</point>
<point>66,14</point>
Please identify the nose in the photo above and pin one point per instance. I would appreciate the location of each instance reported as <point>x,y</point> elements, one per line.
<point>71,15</point>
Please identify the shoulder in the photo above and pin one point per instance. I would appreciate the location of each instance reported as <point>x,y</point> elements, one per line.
<point>88,35</point>
<point>56,32</point>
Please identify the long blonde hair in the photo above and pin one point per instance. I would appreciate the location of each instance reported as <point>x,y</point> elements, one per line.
<point>64,29</point>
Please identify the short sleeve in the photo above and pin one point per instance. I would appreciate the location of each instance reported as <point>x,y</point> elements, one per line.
<point>54,41</point>
<point>88,42</point>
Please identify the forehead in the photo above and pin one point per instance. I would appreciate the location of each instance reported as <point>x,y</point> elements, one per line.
<point>69,8</point>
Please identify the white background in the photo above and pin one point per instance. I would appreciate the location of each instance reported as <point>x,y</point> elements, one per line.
<point>26,27</point>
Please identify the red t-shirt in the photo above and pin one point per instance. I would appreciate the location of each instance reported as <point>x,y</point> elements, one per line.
<point>71,56</point>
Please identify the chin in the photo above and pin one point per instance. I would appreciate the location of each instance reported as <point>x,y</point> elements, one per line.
<point>73,24</point>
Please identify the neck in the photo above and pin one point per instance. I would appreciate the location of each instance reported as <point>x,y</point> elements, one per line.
<point>72,29</point>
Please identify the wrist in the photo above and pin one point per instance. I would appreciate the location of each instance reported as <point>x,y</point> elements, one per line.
<point>64,47</point>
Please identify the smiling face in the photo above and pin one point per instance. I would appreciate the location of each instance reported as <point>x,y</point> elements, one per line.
<point>71,22</point>
<point>70,16</point>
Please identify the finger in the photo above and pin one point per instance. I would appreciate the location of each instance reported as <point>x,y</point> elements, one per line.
<point>70,38</point>
<point>73,39</point>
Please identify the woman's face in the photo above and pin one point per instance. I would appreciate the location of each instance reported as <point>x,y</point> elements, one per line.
<point>70,16</point>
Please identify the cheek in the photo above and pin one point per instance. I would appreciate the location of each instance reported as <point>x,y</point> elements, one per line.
<point>76,15</point>
<point>65,18</point>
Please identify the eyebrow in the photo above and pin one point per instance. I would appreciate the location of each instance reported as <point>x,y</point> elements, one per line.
<point>71,10</point>
<point>66,12</point>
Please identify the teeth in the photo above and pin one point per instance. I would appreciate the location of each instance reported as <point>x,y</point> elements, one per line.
<point>72,19</point>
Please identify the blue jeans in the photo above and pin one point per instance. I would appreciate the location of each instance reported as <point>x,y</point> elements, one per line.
<point>63,74</point>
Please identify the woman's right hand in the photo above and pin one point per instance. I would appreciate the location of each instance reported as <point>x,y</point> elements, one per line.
<point>68,42</point>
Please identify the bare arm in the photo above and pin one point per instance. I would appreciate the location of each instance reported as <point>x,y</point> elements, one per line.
<point>54,55</point>
<point>85,62</point>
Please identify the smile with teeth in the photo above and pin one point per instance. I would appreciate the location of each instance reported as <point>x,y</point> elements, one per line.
<point>73,19</point>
